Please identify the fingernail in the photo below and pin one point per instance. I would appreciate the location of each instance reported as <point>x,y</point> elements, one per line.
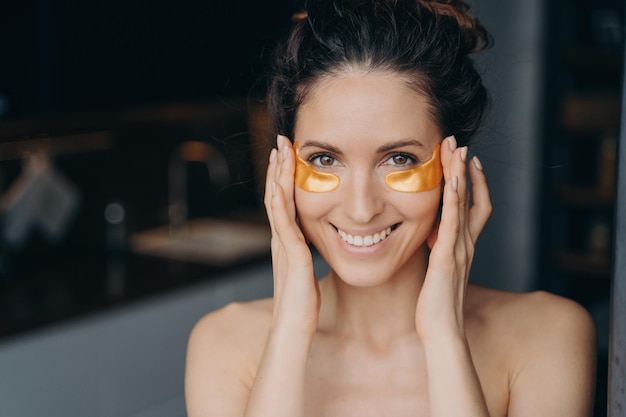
<point>452,143</point>
<point>464,153</point>
<point>455,183</point>
<point>280,140</point>
<point>273,155</point>
<point>477,163</point>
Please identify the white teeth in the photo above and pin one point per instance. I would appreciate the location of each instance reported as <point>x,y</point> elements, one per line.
<point>361,241</point>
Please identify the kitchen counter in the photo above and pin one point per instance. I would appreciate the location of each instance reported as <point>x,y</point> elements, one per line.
<point>87,283</point>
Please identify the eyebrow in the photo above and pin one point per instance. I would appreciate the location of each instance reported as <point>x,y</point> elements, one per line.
<point>399,144</point>
<point>323,145</point>
<point>382,149</point>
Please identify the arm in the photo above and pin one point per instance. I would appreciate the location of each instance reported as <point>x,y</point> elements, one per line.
<point>214,385</point>
<point>556,371</point>
<point>278,388</point>
<point>453,384</point>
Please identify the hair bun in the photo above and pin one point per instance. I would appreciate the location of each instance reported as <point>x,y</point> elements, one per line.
<point>475,36</point>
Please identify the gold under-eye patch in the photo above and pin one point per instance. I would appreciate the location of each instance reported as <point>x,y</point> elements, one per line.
<point>423,177</point>
<point>311,180</point>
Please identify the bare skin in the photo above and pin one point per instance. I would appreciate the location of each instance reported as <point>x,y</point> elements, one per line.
<point>394,329</point>
<point>525,369</point>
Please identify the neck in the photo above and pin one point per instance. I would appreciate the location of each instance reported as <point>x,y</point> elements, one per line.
<point>378,313</point>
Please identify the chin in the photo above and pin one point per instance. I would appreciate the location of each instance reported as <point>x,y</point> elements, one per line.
<point>370,272</point>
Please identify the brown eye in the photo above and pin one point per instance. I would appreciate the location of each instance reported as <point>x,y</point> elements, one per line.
<point>323,160</point>
<point>401,160</point>
<point>326,160</point>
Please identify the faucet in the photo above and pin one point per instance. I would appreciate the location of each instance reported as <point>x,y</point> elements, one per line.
<point>184,154</point>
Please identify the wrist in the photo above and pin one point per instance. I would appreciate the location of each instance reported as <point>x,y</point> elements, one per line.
<point>442,332</point>
<point>290,321</point>
<point>445,351</point>
<point>291,331</point>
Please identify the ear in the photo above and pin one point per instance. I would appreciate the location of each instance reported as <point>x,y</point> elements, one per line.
<point>432,237</point>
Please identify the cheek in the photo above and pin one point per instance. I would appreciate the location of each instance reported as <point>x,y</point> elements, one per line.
<point>299,197</point>
<point>422,206</point>
<point>302,201</point>
<point>310,208</point>
<point>310,205</point>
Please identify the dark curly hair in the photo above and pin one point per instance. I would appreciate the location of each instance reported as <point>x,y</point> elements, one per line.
<point>428,43</point>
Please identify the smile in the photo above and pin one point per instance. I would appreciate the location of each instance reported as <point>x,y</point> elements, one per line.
<point>364,241</point>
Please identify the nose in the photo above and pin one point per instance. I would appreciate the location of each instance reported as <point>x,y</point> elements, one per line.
<point>362,196</point>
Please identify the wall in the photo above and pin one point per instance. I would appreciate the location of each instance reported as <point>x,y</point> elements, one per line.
<point>509,146</point>
<point>128,362</point>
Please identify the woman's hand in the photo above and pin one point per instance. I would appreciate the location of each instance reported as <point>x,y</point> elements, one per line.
<point>441,300</point>
<point>279,384</point>
<point>296,291</point>
<point>439,315</point>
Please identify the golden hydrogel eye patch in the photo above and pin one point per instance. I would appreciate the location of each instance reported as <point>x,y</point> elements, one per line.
<point>311,180</point>
<point>423,177</point>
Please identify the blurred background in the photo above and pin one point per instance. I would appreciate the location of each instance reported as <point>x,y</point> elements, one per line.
<point>133,142</point>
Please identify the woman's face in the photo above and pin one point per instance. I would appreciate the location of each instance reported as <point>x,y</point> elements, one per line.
<point>360,128</point>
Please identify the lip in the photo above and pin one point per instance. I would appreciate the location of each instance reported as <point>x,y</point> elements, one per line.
<point>365,250</point>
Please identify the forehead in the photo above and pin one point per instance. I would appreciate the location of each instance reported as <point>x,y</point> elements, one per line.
<point>370,108</point>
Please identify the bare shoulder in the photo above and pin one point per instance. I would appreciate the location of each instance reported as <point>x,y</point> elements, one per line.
<point>241,313</point>
<point>525,316</point>
<point>545,345</point>
<point>237,325</point>
<point>223,353</point>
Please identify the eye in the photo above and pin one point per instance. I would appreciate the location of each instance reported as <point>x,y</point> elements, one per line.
<point>401,160</point>
<point>322,160</point>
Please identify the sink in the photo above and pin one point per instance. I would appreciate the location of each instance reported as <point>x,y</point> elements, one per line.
<point>207,241</point>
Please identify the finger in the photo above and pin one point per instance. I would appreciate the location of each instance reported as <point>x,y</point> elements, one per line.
<point>287,230</point>
<point>454,165</point>
<point>448,146</point>
<point>286,174</point>
<point>269,180</point>
<point>459,170</point>
<point>481,201</point>
<point>279,157</point>
<point>447,230</point>
<point>449,225</point>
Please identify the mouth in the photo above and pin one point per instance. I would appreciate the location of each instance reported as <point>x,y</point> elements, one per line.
<point>367,240</point>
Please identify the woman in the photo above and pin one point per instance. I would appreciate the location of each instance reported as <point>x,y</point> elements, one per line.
<point>381,98</point>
